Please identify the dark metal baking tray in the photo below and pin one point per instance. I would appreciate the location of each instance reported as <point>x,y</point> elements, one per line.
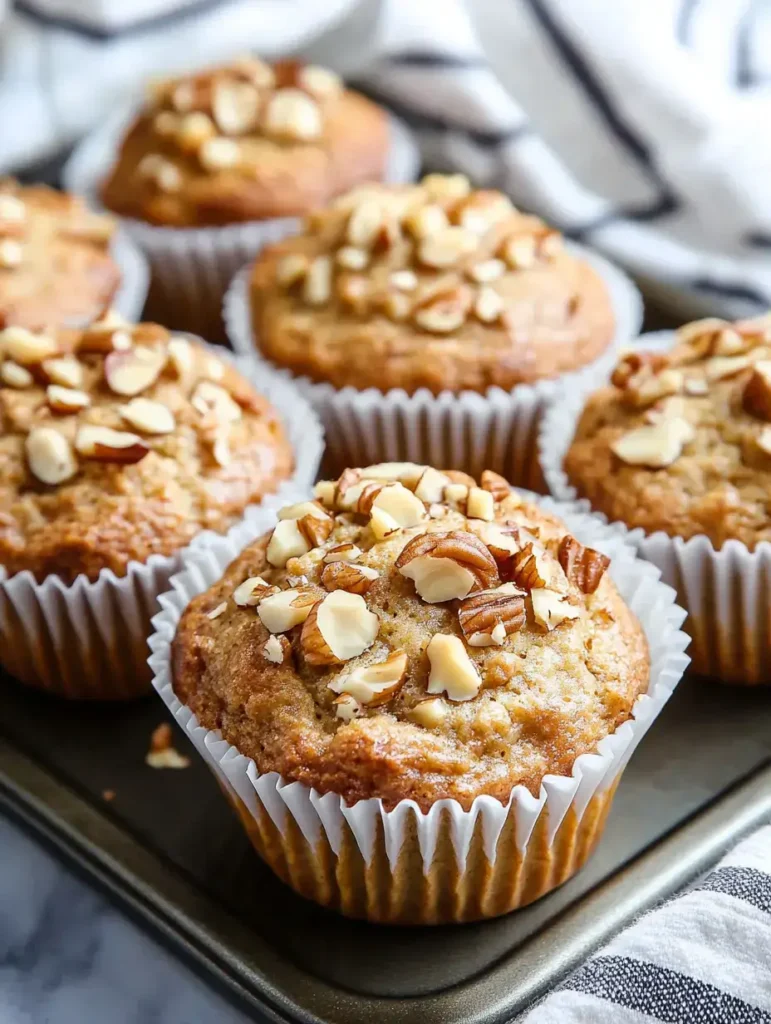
<point>168,847</point>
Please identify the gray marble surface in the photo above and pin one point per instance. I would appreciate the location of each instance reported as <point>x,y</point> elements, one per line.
<point>67,956</point>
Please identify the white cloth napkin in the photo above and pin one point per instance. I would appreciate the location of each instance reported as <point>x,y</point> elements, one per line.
<point>639,127</point>
<point>702,958</point>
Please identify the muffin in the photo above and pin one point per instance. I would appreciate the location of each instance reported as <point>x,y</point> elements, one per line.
<point>56,269</point>
<point>413,650</point>
<point>434,291</point>
<point>221,161</point>
<point>118,445</point>
<point>677,446</point>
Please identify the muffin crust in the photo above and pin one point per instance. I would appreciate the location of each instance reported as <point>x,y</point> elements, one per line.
<point>681,441</point>
<point>123,441</point>
<point>55,265</point>
<point>448,696</point>
<point>434,286</point>
<point>243,142</point>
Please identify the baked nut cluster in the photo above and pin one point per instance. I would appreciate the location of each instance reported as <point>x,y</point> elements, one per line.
<point>681,440</point>
<point>238,124</point>
<point>55,264</point>
<point>401,273</point>
<point>407,619</point>
<point>98,423</point>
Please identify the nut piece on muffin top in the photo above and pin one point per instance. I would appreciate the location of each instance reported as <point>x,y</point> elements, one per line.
<point>55,265</point>
<point>409,634</point>
<point>122,441</point>
<point>246,141</point>
<point>680,441</point>
<point>434,285</point>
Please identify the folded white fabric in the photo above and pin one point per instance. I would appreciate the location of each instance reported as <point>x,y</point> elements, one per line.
<point>702,958</point>
<point>640,128</point>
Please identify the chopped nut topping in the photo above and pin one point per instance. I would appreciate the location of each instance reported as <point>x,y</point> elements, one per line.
<point>445,187</point>
<point>646,387</point>
<point>376,683</point>
<point>26,348</point>
<point>219,154</point>
<point>720,367</point>
<point>194,129</point>
<point>131,372</point>
<point>446,566</point>
<point>66,371</point>
<point>445,311</point>
<point>148,416</point>
<point>486,271</point>
<point>480,504</point>
<point>395,508</point>
<point>287,541</point>
<point>292,114</point>
<point>15,376</point>
<point>444,248</point>
<point>756,397</point>
<point>488,306</point>
<point>66,400</point>
<point>495,484</point>
<point>655,446</point>
<point>338,628</point>
<point>481,613</point>
<point>251,592</point>
<point>352,258</point>
<point>276,649</point>
<point>216,612</point>
<point>319,82</point>
<point>631,363</point>
<point>235,106</point>
<point>49,455</point>
<point>426,221</point>
<point>324,491</point>
<point>356,579</point>
<point>482,209</point>
<point>452,671</point>
<point>763,440</point>
<point>501,541</point>
<point>347,707</point>
<point>291,268</point>
<point>210,399</point>
<point>404,280</point>
<point>520,251</point>
<point>12,209</point>
<point>101,444</point>
<point>695,387</point>
<point>165,175</point>
<point>551,608</point>
<point>342,553</point>
<point>430,487</point>
<point>11,253</point>
<point>429,713</point>
<point>166,124</point>
<point>286,609</point>
<point>318,281</point>
<point>583,566</point>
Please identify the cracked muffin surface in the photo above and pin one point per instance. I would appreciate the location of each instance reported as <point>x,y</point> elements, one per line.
<point>55,264</point>
<point>245,141</point>
<point>434,286</point>
<point>122,441</point>
<point>411,635</point>
<point>680,440</point>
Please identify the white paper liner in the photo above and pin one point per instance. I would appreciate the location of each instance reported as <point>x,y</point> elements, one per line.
<point>130,297</point>
<point>192,267</point>
<point>496,430</point>
<point>727,593</point>
<point>324,818</point>
<point>89,639</point>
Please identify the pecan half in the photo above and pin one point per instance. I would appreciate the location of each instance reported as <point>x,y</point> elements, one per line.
<point>527,568</point>
<point>314,529</point>
<point>583,566</point>
<point>458,546</point>
<point>483,611</point>
<point>356,579</point>
<point>495,484</point>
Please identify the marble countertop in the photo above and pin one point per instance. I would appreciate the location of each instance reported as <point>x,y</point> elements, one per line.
<point>68,956</point>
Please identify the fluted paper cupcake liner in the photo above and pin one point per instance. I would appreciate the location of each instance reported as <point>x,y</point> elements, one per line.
<point>192,267</point>
<point>129,299</point>
<point>727,593</point>
<point>448,864</point>
<point>470,431</point>
<point>88,639</point>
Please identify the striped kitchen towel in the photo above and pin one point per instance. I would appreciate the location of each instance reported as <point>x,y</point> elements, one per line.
<point>702,958</point>
<point>640,128</point>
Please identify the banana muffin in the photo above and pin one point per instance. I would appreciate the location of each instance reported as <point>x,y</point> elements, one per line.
<point>436,286</point>
<point>680,440</point>
<point>55,264</point>
<point>122,441</point>
<point>246,141</point>
<point>410,635</point>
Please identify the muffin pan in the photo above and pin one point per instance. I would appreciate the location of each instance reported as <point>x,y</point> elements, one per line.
<point>168,848</point>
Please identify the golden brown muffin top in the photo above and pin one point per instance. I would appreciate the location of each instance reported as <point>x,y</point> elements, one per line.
<point>409,634</point>
<point>122,441</point>
<point>434,285</point>
<point>245,141</point>
<point>681,441</point>
<point>55,265</point>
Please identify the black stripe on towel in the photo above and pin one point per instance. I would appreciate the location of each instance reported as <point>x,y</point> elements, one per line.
<point>758,240</point>
<point>661,993</point>
<point>484,137</point>
<point>727,291</point>
<point>745,74</point>
<point>427,59</point>
<point>742,883</point>
<point>83,27</point>
<point>684,21</point>
<point>581,232</point>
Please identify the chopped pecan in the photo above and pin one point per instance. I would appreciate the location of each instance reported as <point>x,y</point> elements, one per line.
<point>495,484</point>
<point>583,566</point>
<point>527,568</point>
<point>632,363</point>
<point>314,529</point>
<point>483,611</point>
<point>756,397</point>
<point>458,546</point>
<point>356,579</point>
